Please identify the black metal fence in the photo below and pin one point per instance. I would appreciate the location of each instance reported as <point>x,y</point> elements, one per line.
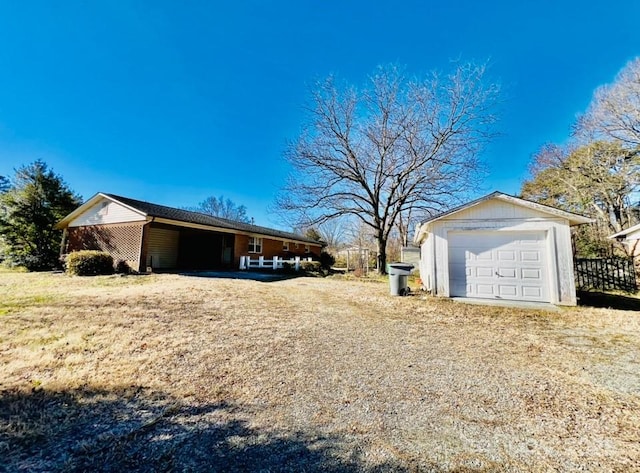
<point>606,274</point>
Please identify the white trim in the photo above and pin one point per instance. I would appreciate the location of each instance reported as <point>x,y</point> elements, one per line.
<point>552,265</point>
<point>89,204</point>
<point>626,232</point>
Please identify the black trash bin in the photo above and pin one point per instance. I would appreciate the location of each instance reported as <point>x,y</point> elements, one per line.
<point>398,276</point>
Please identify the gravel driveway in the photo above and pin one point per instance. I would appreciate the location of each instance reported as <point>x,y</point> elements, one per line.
<point>180,373</point>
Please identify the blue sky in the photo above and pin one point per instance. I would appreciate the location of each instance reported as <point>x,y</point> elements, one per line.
<point>174,101</point>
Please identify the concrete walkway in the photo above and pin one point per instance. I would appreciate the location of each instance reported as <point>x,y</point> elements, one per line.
<point>507,303</point>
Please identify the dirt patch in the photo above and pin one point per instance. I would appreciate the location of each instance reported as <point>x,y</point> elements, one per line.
<point>177,373</point>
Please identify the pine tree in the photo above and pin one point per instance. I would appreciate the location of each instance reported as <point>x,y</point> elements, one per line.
<point>34,202</point>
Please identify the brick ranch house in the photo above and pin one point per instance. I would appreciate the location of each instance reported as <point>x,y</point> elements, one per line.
<point>146,235</point>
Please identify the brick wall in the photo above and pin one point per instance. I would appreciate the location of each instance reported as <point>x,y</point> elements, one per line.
<point>271,248</point>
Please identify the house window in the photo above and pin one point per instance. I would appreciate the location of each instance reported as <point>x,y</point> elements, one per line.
<point>307,249</point>
<point>255,245</point>
<point>285,246</point>
<point>296,246</point>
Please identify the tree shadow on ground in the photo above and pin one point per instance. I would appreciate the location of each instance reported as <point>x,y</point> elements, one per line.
<point>260,276</point>
<point>135,429</point>
<point>608,301</point>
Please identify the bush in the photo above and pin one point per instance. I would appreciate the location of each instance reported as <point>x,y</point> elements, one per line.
<point>89,263</point>
<point>327,260</point>
<point>310,266</point>
<point>122,267</point>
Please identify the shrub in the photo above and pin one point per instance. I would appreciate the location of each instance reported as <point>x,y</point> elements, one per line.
<point>310,266</point>
<point>89,263</point>
<point>122,267</point>
<point>327,260</point>
<point>288,268</point>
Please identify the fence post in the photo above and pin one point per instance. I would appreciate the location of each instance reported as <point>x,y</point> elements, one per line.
<point>275,263</point>
<point>242,266</point>
<point>297,263</point>
<point>260,261</point>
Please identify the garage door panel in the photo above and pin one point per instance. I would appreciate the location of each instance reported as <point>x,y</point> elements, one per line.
<point>531,274</point>
<point>483,272</point>
<point>484,289</point>
<point>506,255</point>
<point>507,273</point>
<point>507,291</point>
<point>530,256</point>
<point>504,265</point>
<point>483,256</point>
<point>534,292</point>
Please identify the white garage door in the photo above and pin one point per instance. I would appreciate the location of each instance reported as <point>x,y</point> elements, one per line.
<point>498,265</point>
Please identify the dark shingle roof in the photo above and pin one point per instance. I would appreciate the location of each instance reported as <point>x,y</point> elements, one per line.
<point>187,216</point>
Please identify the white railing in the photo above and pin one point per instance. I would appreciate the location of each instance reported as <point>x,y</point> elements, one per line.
<point>277,262</point>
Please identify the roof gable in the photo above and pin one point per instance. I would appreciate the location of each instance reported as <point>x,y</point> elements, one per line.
<point>106,211</point>
<point>518,207</point>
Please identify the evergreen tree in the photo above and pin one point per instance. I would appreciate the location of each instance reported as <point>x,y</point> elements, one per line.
<point>34,202</point>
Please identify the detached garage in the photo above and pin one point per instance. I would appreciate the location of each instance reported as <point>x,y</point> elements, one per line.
<point>499,247</point>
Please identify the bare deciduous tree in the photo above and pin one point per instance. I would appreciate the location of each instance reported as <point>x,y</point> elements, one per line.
<point>333,233</point>
<point>221,207</point>
<point>614,112</point>
<point>394,145</point>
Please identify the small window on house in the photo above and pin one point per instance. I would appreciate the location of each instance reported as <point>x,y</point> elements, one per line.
<point>307,249</point>
<point>285,246</point>
<point>255,245</point>
<point>296,246</point>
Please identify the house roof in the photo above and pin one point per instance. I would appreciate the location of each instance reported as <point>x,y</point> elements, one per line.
<point>624,233</point>
<point>574,219</point>
<point>149,209</point>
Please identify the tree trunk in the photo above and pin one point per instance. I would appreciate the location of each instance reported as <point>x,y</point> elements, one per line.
<point>382,255</point>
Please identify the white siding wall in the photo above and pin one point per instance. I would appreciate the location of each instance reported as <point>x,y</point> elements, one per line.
<point>497,210</point>
<point>162,248</point>
<point>106,211</point>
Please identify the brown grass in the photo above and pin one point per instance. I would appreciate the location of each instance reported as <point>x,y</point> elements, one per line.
<point>177,373</point>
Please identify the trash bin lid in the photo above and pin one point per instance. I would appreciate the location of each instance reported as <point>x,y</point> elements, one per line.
<point>400,265</point>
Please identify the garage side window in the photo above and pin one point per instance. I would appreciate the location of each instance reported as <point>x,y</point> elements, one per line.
<point>255,245</point>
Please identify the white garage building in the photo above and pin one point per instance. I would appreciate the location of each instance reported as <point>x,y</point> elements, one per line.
<point>499,247</point>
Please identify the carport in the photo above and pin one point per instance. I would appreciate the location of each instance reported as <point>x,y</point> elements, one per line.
<point>173,247</point>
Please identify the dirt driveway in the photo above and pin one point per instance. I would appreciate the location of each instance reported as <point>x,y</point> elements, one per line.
<point>178,373</point>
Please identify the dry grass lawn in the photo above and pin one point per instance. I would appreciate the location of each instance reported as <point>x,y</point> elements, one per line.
<point>178,373</point>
